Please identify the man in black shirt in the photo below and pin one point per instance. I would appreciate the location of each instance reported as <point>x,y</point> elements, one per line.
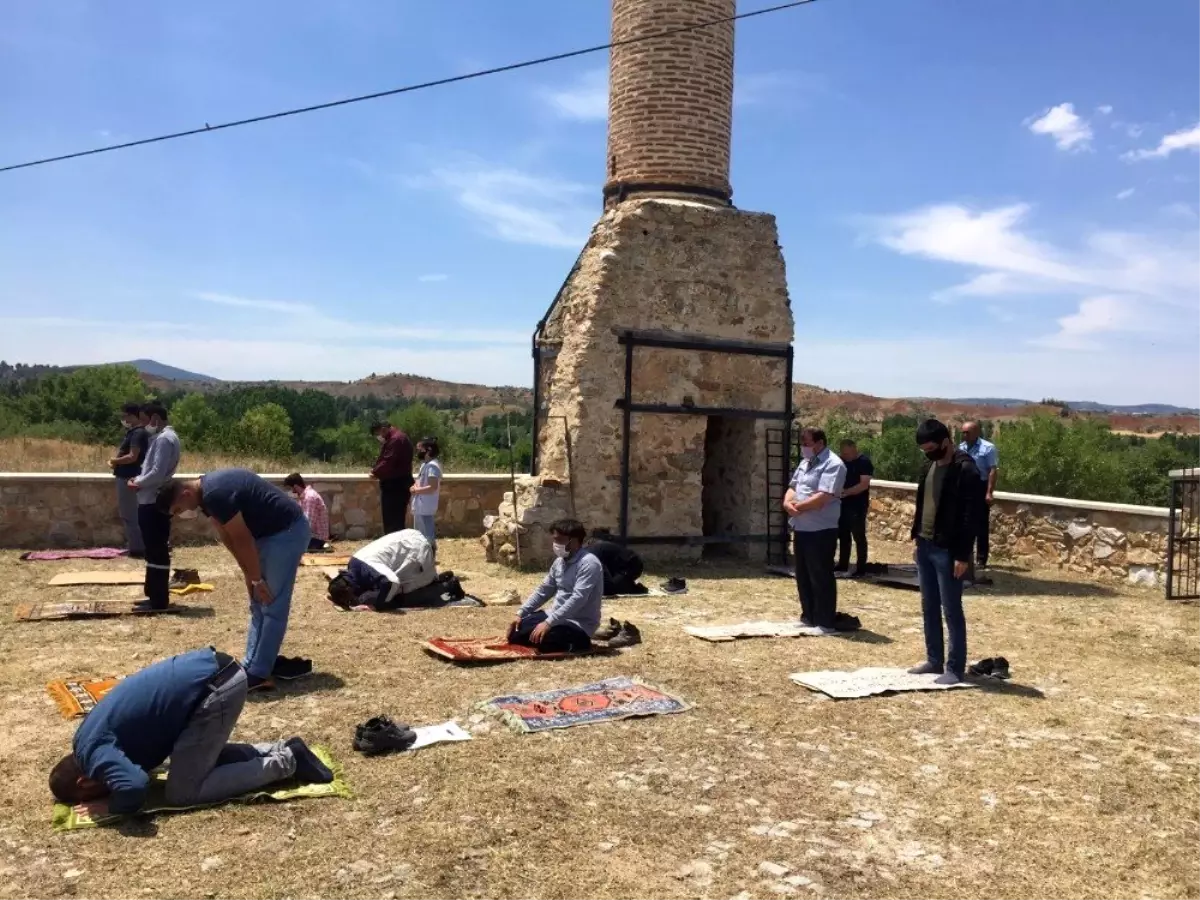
<point>622,566</point>
<point>128,464</point>
<point>856,500</point>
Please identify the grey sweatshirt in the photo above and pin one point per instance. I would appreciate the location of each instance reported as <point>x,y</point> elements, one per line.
<point>161,461</point>
<point>577,586</point>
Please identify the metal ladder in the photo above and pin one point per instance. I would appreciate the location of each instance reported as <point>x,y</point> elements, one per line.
<point>777,482</point>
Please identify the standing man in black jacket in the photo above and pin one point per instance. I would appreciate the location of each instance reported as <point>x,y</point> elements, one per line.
<point>393,471</point>
<point>949,497</point>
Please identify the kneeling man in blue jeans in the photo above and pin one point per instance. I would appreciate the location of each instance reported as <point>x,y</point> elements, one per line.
<point>184,708</point>
<point>949,499</point>
<point>267,534</point>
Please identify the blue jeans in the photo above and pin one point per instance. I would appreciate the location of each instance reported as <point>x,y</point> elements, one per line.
<point>941,593</point>
<point>279,557</point>
<point>427,526</point>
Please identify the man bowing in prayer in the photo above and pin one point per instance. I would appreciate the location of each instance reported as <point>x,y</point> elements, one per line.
<point>267,534</point>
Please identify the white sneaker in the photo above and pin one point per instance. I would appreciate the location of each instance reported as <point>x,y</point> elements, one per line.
<point>817,631</point>
<point>822,631</point>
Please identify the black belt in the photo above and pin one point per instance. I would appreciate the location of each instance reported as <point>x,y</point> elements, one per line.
<point>227,668</point>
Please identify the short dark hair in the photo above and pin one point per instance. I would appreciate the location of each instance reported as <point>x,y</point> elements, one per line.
<point>817,434</point>
<point>132,409</point>
<point>379,425</point>
<point>155,409</point>
<point>294,480</point>
<point>848,442</point>
<point>64,780</point>
<point>931,431</point>
<point>572,528</point>
<point>165,496</point>
<point>341,591</point>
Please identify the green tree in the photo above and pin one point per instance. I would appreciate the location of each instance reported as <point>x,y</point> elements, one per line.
<point>197,423</point>
<point>91,396</point>
<point>419,421</point>
<point>1077,458</point>
<point>895,453</point>
<point>266,430</point>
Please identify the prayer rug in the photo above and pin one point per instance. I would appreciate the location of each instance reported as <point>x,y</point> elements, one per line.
<point>589,704</point>
<point>495,650</point>
<point>868,682</point>
<point>127,577</point>
<point>324,559</point>
<point>76,697</point>
<point>91,815</point>
<point>718,633</point>
<point>90,553</point>
<point>86,609</point>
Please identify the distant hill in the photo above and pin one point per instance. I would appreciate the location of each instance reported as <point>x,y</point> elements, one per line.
<point>1140,409</point>
<point>168,373</point>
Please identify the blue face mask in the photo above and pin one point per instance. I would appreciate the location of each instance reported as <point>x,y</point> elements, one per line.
<point>807,452</point>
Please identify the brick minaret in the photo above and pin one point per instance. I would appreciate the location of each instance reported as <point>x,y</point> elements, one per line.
<point>670,101</point>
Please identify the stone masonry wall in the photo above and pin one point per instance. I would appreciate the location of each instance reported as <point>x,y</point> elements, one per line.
<point>670,99</point>
<point>1107,542</point>
<point>40,511</point>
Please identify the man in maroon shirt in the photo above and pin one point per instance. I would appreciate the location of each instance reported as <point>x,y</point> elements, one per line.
<point>393,469</point>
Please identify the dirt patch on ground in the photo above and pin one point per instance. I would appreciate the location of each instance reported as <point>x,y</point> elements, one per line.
<point>1082,785</point>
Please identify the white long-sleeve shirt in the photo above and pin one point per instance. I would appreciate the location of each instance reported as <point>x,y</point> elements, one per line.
<point>404,558</point>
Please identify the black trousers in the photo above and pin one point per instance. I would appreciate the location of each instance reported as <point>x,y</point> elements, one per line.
<point>156,535</point>
<point>852,524</point>
<point>623,581</point>
<point>559,639</point>
<point>393,499</point>
<point>814,575</point>
<point>983,535</point>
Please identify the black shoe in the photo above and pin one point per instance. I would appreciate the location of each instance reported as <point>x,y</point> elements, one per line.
<point>675,586</point>
<point>287,668</point>
<point>607,632</point>
<point>256,683</point>
<point>148,606</point>
<point>628,636</point>
<point>381,735</point>
<point>309,768</point>
<point>845,568</point>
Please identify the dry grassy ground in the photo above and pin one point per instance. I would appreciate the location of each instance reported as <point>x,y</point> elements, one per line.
<point>1084,787</point>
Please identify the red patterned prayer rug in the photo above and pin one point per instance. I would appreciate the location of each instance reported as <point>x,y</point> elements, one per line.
<point>495,650</point>
<point>77,697</point>
<point>589,704</point>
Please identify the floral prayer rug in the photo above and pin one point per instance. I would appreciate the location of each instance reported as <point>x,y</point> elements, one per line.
<point>588,704</point>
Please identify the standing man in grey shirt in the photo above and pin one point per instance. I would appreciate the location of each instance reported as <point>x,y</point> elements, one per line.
<point>576,582</point>
<point>814,505</point>
<point>162,459</point>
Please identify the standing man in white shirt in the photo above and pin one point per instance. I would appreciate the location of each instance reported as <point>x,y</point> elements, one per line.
<point>987,461</point>
<point>814,505</point>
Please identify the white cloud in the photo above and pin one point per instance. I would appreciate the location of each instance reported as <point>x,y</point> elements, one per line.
<point>585,100</point>
<point>279,306</point>
<point>1186,139</point>
<point>1110,275</point>
<point>1069,131</point>
<point>776,88</point>
<point>1180,211</point>
<point>432,277</point>
<point>1125,194</point>
<point>520,207</point>
<point>1104,110</point>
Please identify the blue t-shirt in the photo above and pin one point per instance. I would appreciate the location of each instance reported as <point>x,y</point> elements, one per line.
<point>266,509</point>
<point>133,728</point>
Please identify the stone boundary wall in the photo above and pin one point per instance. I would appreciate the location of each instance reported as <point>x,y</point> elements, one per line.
<point>1105,541</point>
<point>55,510</point>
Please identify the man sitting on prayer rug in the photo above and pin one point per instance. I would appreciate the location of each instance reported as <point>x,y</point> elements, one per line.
<point>395,570</point>
<point>267,534</point>
<point>576,582</point>
<point>184,708</point>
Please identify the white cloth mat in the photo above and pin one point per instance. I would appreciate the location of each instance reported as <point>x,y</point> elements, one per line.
<point>438,734</point>
<point>744,629</point>
<point>868,682</point>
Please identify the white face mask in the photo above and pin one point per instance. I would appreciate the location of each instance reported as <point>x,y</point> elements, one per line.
<point>560,550</point>
<point>152,429</point>
<point>187,514</point>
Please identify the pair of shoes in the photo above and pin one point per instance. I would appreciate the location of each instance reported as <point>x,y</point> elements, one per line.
<point>309,768</point>
<point>675,586</point>
<point>607,632</point>
<point>926,668</point>
<point>257,683</point>
<point>381,735</point>
<point>148,606</point>
<point>289,667</point>
<point>628,636</point>
<point>992,667</point>
<point>846,622</point>
<point>182,577</point>
<point>948,678</point>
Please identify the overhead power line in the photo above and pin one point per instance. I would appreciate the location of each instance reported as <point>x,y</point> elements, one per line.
<point>316,107</point>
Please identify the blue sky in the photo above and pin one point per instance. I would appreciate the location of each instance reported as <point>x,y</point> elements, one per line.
<point>973,198</point>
